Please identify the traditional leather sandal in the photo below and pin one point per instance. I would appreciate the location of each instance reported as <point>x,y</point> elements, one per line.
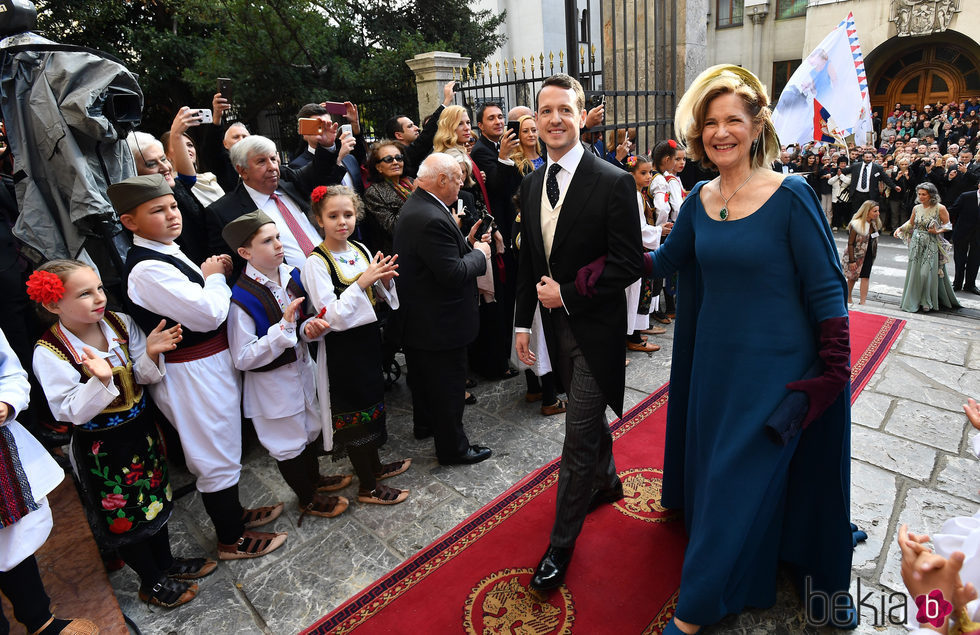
<point>191,568</point>
<point>78,626</point>
<point>642,347</point>
<point>554,409</point>
<point>252,544</point>
<point>333,482</point>
<point>383,495</point>
<point>323,506</point>
<point>392,469</point>
<point>258,516</point>
<point>654,330</point>
<point>169,593</point>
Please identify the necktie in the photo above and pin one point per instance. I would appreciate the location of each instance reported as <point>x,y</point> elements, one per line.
<point>301,238</point>
<point>551,186</point>
<point>864,177</point>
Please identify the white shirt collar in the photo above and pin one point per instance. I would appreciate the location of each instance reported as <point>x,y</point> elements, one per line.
<point>172,249</point>
<point>570,160</point>
<point>259,198</point>
<point>262,279</point>
<point>76,345</point>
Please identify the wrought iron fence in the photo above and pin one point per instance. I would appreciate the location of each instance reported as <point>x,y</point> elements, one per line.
<point>633,68</point>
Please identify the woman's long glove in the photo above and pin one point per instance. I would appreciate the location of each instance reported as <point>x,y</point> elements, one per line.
<point>835,352</point>
<point>587,277</point>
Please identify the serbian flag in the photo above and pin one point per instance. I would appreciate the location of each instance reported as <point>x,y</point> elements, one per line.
<point>829,86</point>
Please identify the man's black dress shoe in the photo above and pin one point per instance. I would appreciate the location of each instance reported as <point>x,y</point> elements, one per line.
<point>421,433</point>
<point>957,287</point>
<point>473,454</point>
<point>973,290</point>
<point>609,495</point>
<point>552,568</point>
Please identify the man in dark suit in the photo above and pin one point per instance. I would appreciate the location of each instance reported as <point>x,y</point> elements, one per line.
<point>351,162</point>
<point>865,176</point>
<point>280,191</point>
<point>576,211</point>
<point>785,164</point>
<point>965,213</point>
<point>438,318</point>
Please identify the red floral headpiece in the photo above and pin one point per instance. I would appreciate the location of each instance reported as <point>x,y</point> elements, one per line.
<point>45,287</point>
<point>318,193</point>
<point>672,143</point>
<point>631,161</point>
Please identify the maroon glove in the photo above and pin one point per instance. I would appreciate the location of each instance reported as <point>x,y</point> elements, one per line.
<point>835,351</point>
<point>647,264</point>
<point>587,276</point>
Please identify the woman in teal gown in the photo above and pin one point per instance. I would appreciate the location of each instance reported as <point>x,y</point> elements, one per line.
<point>761,297</point>
<point>927,284</point>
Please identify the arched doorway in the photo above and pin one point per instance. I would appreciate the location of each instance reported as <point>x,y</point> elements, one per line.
<point>917,71</point>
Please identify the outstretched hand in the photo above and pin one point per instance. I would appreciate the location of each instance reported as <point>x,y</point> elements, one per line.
<point>292,309</point>
<point>315,327</point>
<point>972,410</point>
<point>161,340</point>
<point>381,268</point>
<point>96,365</point>
<point>924,571</point>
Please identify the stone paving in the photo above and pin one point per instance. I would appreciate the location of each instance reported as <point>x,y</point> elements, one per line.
<point>911,463</point>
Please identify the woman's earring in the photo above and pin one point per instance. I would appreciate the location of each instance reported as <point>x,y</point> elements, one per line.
<point>755,146</point>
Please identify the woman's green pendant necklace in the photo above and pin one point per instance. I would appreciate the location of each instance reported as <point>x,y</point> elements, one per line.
<point>723,214</point>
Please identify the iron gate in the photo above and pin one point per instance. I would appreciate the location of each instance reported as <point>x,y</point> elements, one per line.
<point>632,64</point>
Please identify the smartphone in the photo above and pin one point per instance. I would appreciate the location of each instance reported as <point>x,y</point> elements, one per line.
<point>347,128</point>
<point>515,126</point>
<point>335,108</point>
<point>204,114</point>
<point>310,126</point>
<point>224,87</point>
<point>595,101</point>
<point>457,87</point>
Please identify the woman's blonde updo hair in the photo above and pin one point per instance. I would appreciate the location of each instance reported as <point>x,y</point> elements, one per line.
<point>714,82</point>
<point>445,137</point>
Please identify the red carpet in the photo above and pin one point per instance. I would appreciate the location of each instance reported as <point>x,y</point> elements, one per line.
<point>627,564</point>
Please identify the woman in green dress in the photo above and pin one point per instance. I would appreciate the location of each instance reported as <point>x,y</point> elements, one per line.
<point>927,284</point>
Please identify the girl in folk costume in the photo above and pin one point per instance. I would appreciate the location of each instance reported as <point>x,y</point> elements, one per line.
<point>677,194</point>
<point>663,158</point>
<point>344,282</point>
<point>640,294</point>
<point>92,364</point>
<point>27,475</point>
<point>264,332</point>
<point>862,246</point>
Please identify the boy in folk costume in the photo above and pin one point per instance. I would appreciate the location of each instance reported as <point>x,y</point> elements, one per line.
<point>200,393</point>
<point>264,334</point>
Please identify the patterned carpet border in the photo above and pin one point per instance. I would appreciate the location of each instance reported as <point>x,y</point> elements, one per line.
<point>864,367</point>
<point>418,567</point>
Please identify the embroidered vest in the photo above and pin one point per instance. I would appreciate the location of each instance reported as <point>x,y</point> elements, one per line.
<point>340,282</point>
<point>261,305</point>
<point>130,402</point>
<point>146,319</point>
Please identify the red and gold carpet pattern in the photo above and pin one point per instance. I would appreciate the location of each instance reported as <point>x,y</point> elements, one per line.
<point>627,563</point>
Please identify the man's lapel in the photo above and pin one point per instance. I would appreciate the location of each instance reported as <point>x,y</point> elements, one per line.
<point>576,196</point>
<point>531,215</point>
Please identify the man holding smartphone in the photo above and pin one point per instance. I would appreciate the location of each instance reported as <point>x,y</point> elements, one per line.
<point>353,161</point>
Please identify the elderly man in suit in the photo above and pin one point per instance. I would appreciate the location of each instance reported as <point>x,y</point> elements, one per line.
<point>965,212</point>
<point>578,214</point>
<point>438,317</point>
<point>865,176</point>
<point>280,191</point>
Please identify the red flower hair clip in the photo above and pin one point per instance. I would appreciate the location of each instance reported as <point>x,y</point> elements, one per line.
<point>672,143</point>
<point>45,287</point>
<point>631,161</point>
<point>318,193</point>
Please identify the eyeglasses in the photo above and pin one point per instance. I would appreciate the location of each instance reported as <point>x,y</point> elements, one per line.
<point>390,158</point>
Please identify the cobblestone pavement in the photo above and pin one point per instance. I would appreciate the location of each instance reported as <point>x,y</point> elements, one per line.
<point>911,463</point>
